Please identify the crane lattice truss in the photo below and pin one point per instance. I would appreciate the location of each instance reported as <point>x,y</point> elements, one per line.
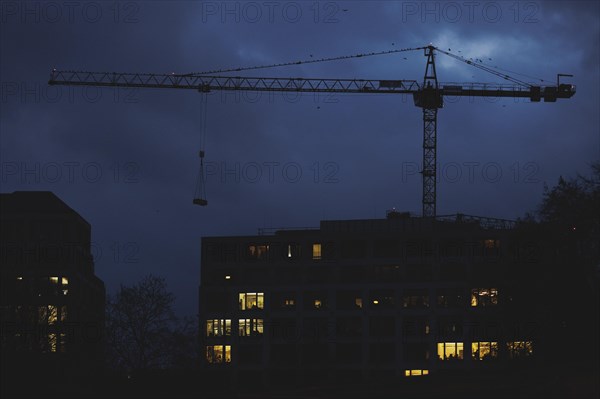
<point>429,95</point>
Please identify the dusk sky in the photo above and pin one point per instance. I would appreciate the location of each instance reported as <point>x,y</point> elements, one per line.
<point>127,160</point>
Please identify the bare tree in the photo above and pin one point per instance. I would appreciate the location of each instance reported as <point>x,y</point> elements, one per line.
<point>143,332</point>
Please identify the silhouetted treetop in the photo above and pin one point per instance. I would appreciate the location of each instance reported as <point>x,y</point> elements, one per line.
<point>573,204</point>
<point>143,332</point>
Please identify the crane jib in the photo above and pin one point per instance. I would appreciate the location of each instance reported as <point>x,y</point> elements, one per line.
<point>209,83</point>
<point>428,94</point>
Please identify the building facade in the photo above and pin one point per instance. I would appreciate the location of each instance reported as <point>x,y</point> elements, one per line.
<point>368,300</point>
<point>52,303</point>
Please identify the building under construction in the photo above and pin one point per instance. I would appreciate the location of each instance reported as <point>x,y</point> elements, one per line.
<point>400,298</point>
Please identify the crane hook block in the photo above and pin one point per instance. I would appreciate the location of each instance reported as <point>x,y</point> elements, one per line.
<point>200,201</point>
<point>201,154</point>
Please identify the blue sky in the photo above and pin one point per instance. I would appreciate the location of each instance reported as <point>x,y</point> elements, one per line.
<point>127,160</point>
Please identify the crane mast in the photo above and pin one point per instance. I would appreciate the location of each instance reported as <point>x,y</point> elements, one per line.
<point>430,99</point>
<point>428,96</point>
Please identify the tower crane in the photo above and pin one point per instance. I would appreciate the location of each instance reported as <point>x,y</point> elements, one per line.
<point>428,95</point>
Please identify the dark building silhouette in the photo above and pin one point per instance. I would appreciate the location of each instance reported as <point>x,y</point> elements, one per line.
<point>362,301</point>
<point>52,303</point>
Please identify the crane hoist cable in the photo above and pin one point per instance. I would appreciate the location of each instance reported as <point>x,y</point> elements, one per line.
<point>200,191</point>
<point>343,57</point>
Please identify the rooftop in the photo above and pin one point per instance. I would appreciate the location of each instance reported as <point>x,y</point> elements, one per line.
<point>34,202</point>
<point>398,221</point>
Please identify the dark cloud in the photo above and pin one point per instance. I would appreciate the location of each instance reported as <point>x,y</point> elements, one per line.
<point>359,155</point>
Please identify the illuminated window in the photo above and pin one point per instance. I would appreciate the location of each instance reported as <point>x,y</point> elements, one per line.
<point>218,327</point>
<point>316,251</point>
<point>358,302</point>
<point>290,302</point>
<point>65,285</point>
<point>382,298</point>
<point>489,244</point>
<point>258,251</point>
<point>292,251</point>
<point>518,349</point>
<point>484,350</point>
<point>284,300</point>
<point>413,373</point>
<point>52,342</point>
<point>48,314</point>
<point>484,297</point>
<point>58,284</point>
<point>252,300</point>
<point>63,313</point>
<point>20,285</point>
<point>315,300</point>
<point>218,354</point>
<point>250,327</point>
<point>450,350</point>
